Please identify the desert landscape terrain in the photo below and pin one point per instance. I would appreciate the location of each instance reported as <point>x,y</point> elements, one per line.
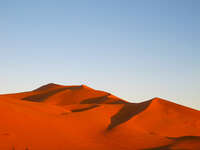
<point>57,117</point>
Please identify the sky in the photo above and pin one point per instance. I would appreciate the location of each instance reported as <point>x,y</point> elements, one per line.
<point>134,49</point>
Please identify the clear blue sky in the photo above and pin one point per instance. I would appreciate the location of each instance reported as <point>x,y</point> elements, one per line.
<point>135,49</point>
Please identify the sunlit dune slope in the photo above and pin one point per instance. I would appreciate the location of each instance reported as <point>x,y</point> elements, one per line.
<point>56,117</point>
<point>160,117</point>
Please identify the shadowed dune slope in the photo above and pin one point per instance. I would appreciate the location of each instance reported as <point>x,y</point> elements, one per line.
<point>127,112</point>
<point>84,109</point>
<point>107,99</point>
<point>43,96</point>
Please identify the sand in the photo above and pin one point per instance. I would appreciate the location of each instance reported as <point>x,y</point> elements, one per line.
<point>57,117</point>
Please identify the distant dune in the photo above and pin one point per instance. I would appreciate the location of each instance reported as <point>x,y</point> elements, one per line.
<point>65,95</point>
<point>57,117</point>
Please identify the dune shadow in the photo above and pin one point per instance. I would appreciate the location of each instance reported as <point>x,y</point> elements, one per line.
<point>127,112</point>
<point>118,102</point>
<point>84,109</point>
<point>96,100</point>
<point>183,138</point>
<point>46,94</point>
<point>41,97</point>
<point>102,99</point>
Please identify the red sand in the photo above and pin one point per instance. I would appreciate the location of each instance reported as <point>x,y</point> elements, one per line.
<point>56,117</point>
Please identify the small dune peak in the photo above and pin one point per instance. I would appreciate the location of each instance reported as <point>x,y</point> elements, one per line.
<point>158,99</point>
<point>51,84</point>
<point>84,86</point>
<point>167,104</point>
<point>109,94</point>
<point>47,87</point>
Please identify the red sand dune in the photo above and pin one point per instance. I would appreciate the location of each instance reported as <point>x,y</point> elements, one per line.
<point>55,117</point>
<point>65,95</point>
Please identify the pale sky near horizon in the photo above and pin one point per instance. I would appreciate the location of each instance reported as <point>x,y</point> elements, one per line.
<point>135,49</point>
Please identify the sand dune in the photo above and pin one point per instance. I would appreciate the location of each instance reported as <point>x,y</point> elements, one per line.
<point>60,117</point>
<point>65,95</point>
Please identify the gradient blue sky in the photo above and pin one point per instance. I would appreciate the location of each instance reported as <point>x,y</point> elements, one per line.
<point>135,49</point>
